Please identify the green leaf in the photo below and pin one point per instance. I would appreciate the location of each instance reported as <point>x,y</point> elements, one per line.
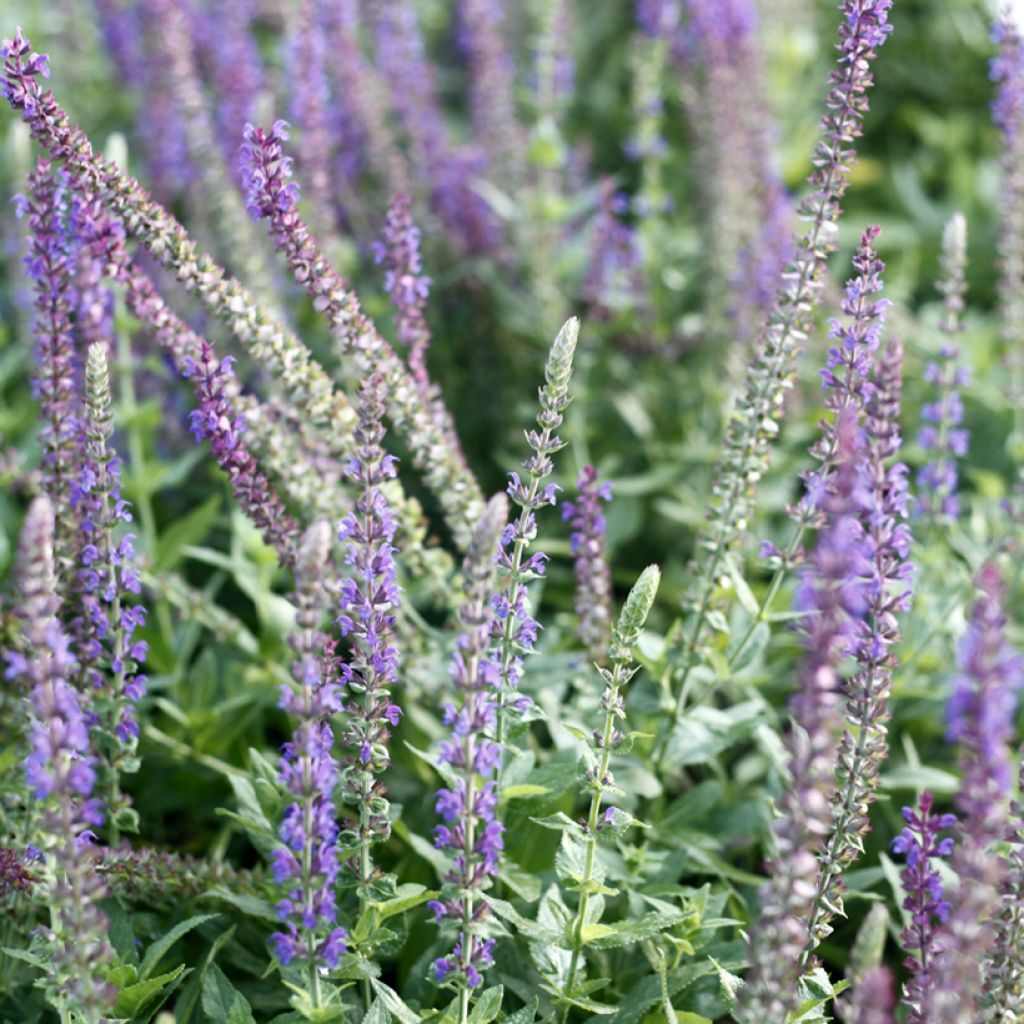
<point>377,1013</point>
<point>221,999</point>
<point>523,791</point>
<point>524,1015</point>
<point>183,532</point>
<point>728,983</point>
<point>532,929</point>
<point>394,1003</point>
<point>560,822</point>
<point>627,932</point>
<point>525,884</point>
<point>488,1006</point>
<point>647,992</point>
<point>158,949</point>
<point>252,906</point>
<point>146,996</point>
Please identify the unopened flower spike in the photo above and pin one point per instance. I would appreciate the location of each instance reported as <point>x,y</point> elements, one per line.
<point>515,630</point>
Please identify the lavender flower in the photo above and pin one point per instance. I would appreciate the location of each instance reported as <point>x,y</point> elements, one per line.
<point>919,842</point>
<point>308,863</point>
<point>213,420</point>
<point>873,998</point>
<point>61,773</point>
<point>943,437</point>
<point>593,578</point>
<point>846,377</point>
<point>614,269</point>
<point>492,105</point>
<point>834,594</point>
<point>406,284</point>
<point>864,27</point>
<point>1007,71</point>
<point>515,629</point>
<point>468,762</point>
<point>310,107</point>
<point>273,196</point>
<point>863,747</point>
<point>369,599</point>
<point>449,172</point>
<point>979,718</point>
<point>51,264</point>
<point>107,577</point>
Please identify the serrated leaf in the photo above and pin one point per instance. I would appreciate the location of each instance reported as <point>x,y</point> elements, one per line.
<point>157,950</point>
<point>394,1003</point>
<point>728,983</point>
<point>137,999</point>
<point>524,1015</point>
<point>377,1013</point>
<point>487,1006</point>
<point>628,932</point>
<point>594,931</point>
<point>253,906</point>
<point>221,998</point>
<point>560,822</point>
<point>523,925</point>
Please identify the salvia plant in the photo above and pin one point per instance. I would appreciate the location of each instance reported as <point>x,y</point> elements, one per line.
<point>511,512</point>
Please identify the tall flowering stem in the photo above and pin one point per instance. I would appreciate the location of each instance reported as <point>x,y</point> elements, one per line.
<point>492,100</point>
<point>1004,968</point>
<point>108,579</point>
<point>61,773</point>
<point>942,436</point>
<point>847,387</point>
<point>468,762</point>
<point>276,349</point>
<point>514,628</point>
<point>215,420</point>
<point>51,265</point>
<point>307,863</point>
<point>980,719</point>
<point>273,196</point>
<point>1007,71</point>
<point>863,28</point>
<point>369,599</point>
<point>864,747</point>
<point>834,595</point>
<point>604,742</point>
<point>593,577</point>
<point>920,844</point>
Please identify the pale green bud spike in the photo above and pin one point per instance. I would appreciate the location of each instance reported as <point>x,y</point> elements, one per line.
<point>559,366</point>
<point>634,614</point>
<point>97,392</point>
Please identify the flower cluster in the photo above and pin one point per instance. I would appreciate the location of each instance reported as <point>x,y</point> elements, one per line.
<point>215,420</point>
<point>61,772</point>
<point>942,436</point>
<point>834,593</point>
<point>980,719</point>
<point>919,843</point>
<point>754,428</point>
<point>406,284</point>
<point>109,650</point>
<point>369,600</point>
<point>308,864</point>
<point>468,762</point>
<point>514,628</point>
<point>593,577</point>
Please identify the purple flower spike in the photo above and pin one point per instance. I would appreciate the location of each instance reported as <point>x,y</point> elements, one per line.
<point>369,600</point>
<point>980,719</point>
<point>920,845</point>
<point>60,772</point>
<point>834,593</point>
<point>109,651</point>
<point>307,864</point>
<point>615,272</point>
<point>407,285</point>
<point>942,437</point>
<point>470,759</point>
<point>215,420</point>
<point>51,263</point>
<point>593,578</point>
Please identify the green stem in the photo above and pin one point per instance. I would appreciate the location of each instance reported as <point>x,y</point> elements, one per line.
<point>591,840</point>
